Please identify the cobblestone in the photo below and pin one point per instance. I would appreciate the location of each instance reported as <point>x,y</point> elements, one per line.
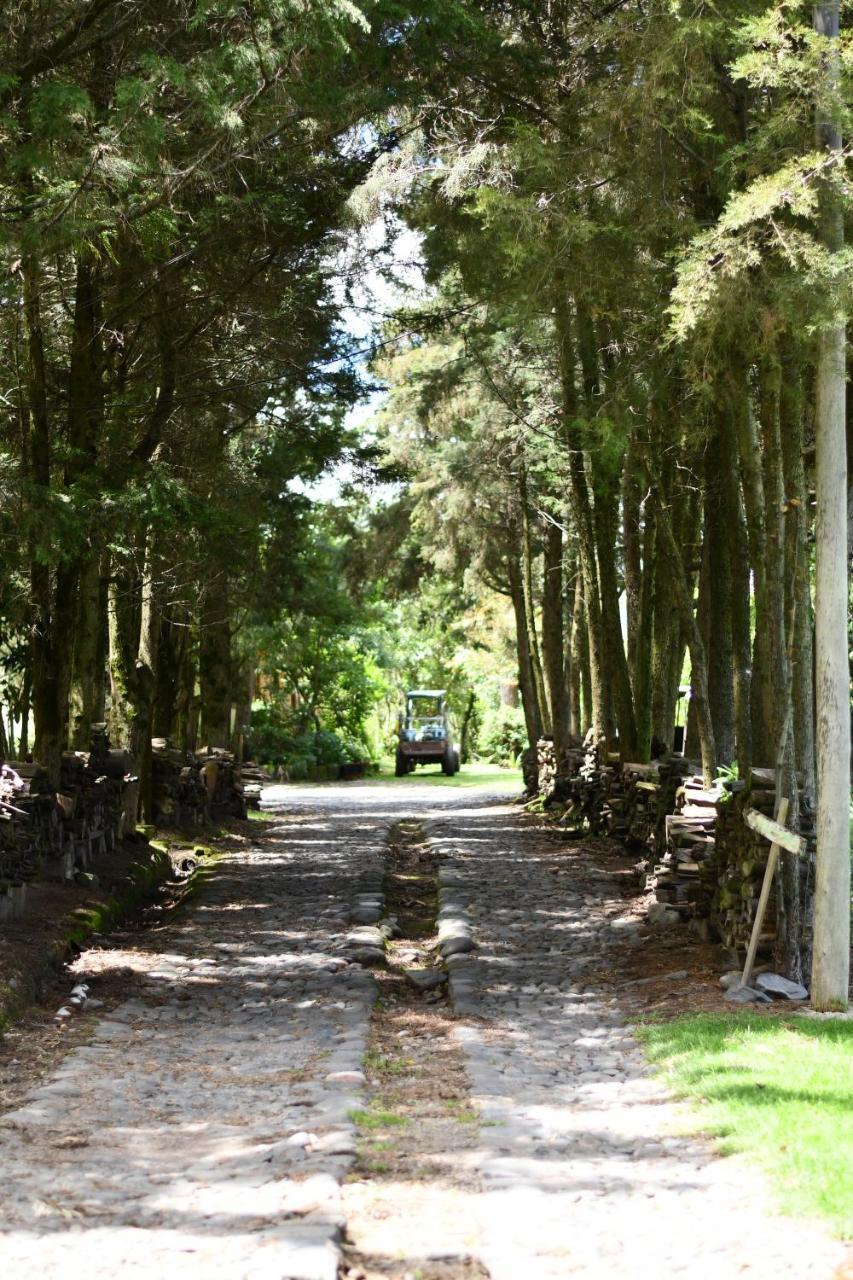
<point>207,1125</point>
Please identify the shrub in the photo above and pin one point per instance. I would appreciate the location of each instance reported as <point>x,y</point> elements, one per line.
<point>504,735</point>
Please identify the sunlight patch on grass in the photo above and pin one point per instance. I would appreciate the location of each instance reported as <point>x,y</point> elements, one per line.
<point>777,1090</point>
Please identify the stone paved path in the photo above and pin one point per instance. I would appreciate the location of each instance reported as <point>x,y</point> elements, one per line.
<point>201,1129</point>
<point>585,1175</point>
<point>206,1127</point>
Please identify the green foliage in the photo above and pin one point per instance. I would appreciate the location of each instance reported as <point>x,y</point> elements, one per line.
<point>503,735</point>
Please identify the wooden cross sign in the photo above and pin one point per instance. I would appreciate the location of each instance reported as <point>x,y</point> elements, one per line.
<point>781,838</point>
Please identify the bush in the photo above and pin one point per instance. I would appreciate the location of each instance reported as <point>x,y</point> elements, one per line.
<point>504,735</point>
<point>273,740</point>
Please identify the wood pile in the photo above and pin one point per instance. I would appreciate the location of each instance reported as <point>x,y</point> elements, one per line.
<point>179,796</point>
<point>594,785</point>
<point>554,782</point>
<point>699,857</point>
<point>225,794</point>
<point>641,788</point>
<point>685,878</point>
<point>189,790</point>
<point>741,860</point>
<point>54,834</point>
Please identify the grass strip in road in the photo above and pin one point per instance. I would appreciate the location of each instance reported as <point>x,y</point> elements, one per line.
<point>778,1090</point>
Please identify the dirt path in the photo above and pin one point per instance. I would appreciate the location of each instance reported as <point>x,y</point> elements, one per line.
<point>251,1098</point>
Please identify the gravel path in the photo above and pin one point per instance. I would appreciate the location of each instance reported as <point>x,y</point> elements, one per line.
<point>206,1125</point>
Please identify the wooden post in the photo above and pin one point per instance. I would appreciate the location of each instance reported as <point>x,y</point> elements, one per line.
<point>831,957</point>
<point>772,859</point>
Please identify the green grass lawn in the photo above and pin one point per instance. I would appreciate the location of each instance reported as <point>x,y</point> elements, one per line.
<point>777,1089</point>
<point>478,774</point>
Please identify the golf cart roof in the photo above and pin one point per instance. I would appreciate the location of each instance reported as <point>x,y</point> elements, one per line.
<point>426,693</point>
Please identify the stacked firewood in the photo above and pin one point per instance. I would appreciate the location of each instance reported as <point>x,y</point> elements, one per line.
<point>554,778</point>
<point>686,876</point>
<point>178,793</point>
<point>591,787</point>
<point>546,759</point>
<point>641,785</point>
<point>54,834</point>
<point>189,790</point>
<point>225,793</point>
<point>742,858</point>
<point>672,770</point>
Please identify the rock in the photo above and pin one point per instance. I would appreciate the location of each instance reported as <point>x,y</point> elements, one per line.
<point>730,979</point>
<point>746,995</point>
<point>625,926</point>
<point>456,944</point>
<point>338,1142</point>
<point>781,988</point>
<point>660,913</point>
<point>367,956</point>
<point>346,1077</point>
<point>425,979</point>
<point>365,915</point>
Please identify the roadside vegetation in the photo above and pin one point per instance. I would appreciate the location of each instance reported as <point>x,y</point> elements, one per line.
<point>779,1091</point>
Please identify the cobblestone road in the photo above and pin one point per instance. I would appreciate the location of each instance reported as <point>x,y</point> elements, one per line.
<point>584,1171</point>
<point>206,1126</point>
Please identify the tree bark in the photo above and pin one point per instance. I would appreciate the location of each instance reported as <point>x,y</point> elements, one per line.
<point>529,600</point>
<point>526,681</point>
<point>215,664</point>
<point>734,404</point>
<point>582,517</point>
<point>553,646</point>
<point>698,659</point>
<point>831,966</point>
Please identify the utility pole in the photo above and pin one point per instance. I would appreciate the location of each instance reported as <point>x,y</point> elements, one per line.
<point>831,962</point>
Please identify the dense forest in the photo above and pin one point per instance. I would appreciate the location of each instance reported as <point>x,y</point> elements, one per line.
<point>608,454</point>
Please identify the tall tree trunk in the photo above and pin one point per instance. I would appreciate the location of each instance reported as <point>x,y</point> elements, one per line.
<point>581,683</point>
<point>698,658</point>
<point>798,603</point>
<point>49,646</point>
<point>644,630</point>
<point>582,516</point>
<point>526,680</point>
<point>572,671</point>
<point>24,713</point>
<point>553,646</point>
<point>87,693</point>
<point>617,665</point>
<point>754,506</point>
<point>831,968</point>
<point>633,565</point>
<point>133,622</point>
<point>791,941</point>
<point>719,642</point>
<point>527,557</point>
<point>733,404</point>
<point>215,664</point>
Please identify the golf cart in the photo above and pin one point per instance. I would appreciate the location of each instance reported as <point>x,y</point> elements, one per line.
<point>425,735</point>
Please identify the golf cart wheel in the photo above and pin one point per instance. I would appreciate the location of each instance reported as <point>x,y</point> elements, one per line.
<point>401,765</point>
<point>448,762</point>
